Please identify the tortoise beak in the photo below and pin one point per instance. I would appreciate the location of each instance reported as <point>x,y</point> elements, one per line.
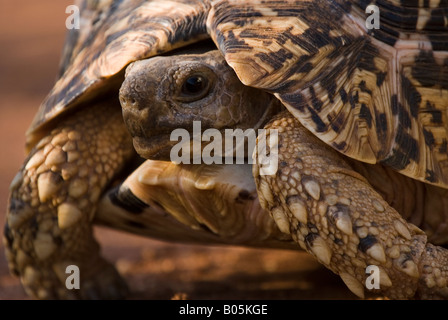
<point>142,113</point>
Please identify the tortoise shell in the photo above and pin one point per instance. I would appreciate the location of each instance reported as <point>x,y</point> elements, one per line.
<point>375,95</point>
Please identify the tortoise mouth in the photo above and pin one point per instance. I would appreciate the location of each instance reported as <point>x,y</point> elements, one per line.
<point>158,147</point>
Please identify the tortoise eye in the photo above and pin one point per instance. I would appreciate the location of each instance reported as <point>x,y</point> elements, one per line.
<point>194,85</point>
<point>194,88</point>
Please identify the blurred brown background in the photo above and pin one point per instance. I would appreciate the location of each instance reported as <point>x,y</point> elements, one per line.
<point>31,39</point>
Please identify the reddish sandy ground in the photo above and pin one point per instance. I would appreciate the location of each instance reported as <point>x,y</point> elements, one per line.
<point>31,38</point>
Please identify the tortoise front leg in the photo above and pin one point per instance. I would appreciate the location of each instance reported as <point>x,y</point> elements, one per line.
<point>334,213</point>
<point>53,201</point>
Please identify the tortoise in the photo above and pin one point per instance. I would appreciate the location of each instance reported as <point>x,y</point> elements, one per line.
<point>361,178</point>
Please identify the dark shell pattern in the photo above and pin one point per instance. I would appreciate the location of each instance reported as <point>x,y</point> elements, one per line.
<point>376,95</point>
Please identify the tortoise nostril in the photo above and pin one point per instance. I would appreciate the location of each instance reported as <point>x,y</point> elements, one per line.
<point>127,101</point>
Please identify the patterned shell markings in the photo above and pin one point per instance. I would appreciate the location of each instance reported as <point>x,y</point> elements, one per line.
<point>374,95</point>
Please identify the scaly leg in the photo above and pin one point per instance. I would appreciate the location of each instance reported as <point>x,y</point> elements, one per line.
<point>53,201</point>
<point>334,213</point>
